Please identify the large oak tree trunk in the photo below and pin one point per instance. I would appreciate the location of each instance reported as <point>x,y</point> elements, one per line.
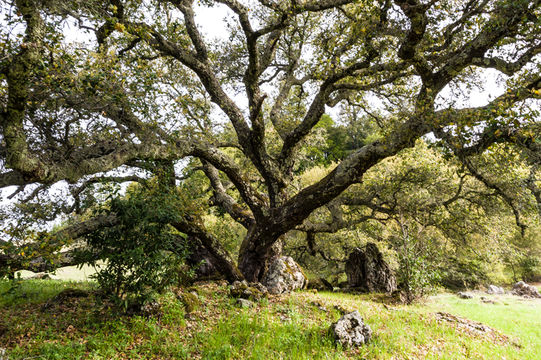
<point>254,259</point>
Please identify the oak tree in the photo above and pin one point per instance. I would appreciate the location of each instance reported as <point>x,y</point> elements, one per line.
<point>147,89</point>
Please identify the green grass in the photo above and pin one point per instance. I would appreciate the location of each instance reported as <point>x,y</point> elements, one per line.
<point>278,328</point>
<point>514,316</point>
<point>69,273</point>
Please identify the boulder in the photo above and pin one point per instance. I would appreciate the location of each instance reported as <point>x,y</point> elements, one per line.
<point>487,301</point>
<point>350,330</point>
<point>464,295</point>
<point>472,327</point>
<point>243,303</point>
<point>283,276</point>
<point>367,270</point>
<point>190,301</point>
<point>248,291</point>
<point>495,290</point>
<point>525,290</point>
<point>201,260</point>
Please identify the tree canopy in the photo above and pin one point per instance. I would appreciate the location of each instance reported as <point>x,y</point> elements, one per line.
<point>246,116</point>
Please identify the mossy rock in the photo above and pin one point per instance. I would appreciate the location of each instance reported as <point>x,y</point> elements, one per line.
<point>250,291</point>
<point>190,301</point>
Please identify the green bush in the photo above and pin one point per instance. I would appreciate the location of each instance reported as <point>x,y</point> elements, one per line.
<point>417,276</point>
<point>529,268</point>
<point>462,273</point>
<point>142,253</point>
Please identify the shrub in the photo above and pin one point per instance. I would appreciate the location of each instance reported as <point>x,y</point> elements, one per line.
<point>142,253</point>
<point>417,276</point>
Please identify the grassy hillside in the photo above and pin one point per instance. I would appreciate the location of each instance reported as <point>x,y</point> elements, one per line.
<point>288,327</point>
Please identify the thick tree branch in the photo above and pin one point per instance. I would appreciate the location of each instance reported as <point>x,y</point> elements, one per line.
<point>221,198</point>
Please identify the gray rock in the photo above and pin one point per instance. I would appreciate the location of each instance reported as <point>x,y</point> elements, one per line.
<point>249,291</point>
<point>243,303</point>
<point>495,290</point>
<point>350,330</point>
<point>367,270</point>
<point>525,290</point>
<point>487,301</point>
<point>150,308</point>
<point>464,295</point>
<point>283,276</point>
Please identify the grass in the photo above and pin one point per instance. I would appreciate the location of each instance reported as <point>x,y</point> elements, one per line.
<point>70,273</point>
<point>512,315</point>
<point>288,327</point>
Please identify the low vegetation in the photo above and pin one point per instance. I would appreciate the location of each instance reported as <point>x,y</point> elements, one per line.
<point>35,325</point>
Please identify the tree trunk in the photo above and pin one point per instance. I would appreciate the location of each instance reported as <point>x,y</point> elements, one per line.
<point>255,259</point>
<point>367,270</point>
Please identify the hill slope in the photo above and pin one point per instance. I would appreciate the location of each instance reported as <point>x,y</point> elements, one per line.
<point>286,327</point>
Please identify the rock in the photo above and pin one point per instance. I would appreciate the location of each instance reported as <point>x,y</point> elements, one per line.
<point>350,330</point>
<point>525,290</point>
<point>464,295</point>
<point>190,300</point>
<point>283,276</point>
<point>495,290</point>
<point>320,284</point>
<point>249,291</point>
<point>487,301</point>
<point>367,270</point>
<point>243,303</point>
<point>150,308</point>
<point>472,327</point>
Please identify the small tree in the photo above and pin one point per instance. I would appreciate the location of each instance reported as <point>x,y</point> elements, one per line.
<point>142,253</point>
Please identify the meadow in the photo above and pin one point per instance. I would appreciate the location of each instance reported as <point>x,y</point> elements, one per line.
<point>34,325</point>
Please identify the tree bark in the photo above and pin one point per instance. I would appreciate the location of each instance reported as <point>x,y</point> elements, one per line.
<point>254,259</point>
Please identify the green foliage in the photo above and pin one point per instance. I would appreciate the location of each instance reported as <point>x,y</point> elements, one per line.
<point>530,268</point>
<point>417,277</point>
<point>437,220</point>
<point>463,273</point>
<point>142,253</point>
<point>332,142</point>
